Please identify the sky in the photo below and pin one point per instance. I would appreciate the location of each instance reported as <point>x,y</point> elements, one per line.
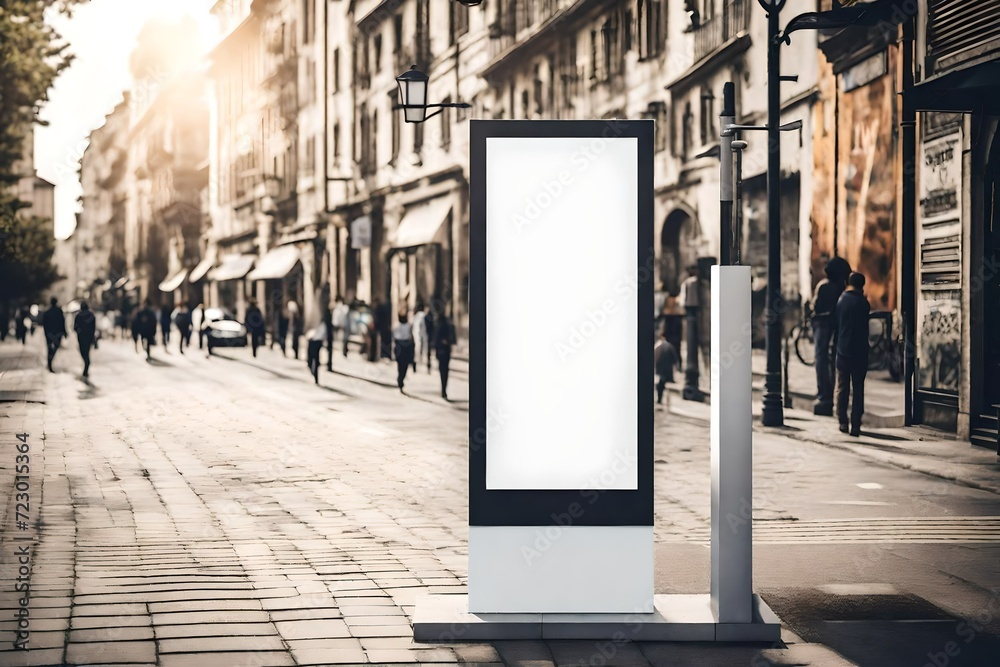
<point>101,34</point>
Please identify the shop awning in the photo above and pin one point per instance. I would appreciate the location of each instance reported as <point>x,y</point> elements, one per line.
<point>174,281</point>
<point>276,264</point>
<point>233,267</point>
<point>203,268</point>
<point>422,224</point>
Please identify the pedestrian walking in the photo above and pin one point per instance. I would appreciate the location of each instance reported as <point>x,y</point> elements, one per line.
<point>199,324</point>
<point>341,312</point>
<point>165,313</point>
<point>21,325</point>
<point>852,352</point>
<point>295,326</point>
<point>429,323</point>
<point>85,326</point>
<point>144,328</point>
<point>421,342</point>
<point>444,339</point>
<point>315,338</point>
<point>182,320</point>
<point>281,329</point>
<point>824,325</point>
<point>402,337</point>
<point>254,322</point>
<point>383,327</point>
<point>665,359</point>
<point>328,331</point>
<point>54,326</point>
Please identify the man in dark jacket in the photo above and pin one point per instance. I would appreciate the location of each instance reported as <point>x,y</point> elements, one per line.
<point>852,352</point>
<point>183,321</point>
<point>664,360</point>
<point>54,325</point>
<point>443,339</point>
<point>255,326</point>
<point>85,326</point>
<point>824,322</point>
<point>144,327</point>
<point>165,324</point>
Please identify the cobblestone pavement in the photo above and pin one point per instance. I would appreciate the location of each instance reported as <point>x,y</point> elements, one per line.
<point>227,511</point>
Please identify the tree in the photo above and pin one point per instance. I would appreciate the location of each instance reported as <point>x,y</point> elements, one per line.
<point>26,248</point>
<point>31,56</point>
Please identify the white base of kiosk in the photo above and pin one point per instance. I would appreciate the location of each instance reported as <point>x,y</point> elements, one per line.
<point>676,618</point>
<point>560,569</point>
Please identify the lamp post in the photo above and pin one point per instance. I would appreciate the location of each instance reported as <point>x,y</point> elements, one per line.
<point>413,94</point>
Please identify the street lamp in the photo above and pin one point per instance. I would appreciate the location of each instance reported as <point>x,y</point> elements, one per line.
<point>413,94</point>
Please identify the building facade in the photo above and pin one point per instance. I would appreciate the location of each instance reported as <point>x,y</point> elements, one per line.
<point>957,244</point>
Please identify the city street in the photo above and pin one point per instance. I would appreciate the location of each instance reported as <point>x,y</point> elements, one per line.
<point>227,511</point>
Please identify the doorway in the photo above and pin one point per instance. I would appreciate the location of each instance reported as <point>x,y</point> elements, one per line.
<point>985,424</point>
<point>678,250</point>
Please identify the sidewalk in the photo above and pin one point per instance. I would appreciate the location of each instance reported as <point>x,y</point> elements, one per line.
<point>915,448</point>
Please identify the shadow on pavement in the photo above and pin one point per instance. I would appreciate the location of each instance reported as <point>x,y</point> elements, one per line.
<point>899,630</point>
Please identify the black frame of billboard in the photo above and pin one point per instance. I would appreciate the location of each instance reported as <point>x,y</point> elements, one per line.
<point>538,507</point>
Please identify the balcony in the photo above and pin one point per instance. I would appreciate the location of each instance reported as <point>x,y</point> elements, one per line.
<point>711,34</point>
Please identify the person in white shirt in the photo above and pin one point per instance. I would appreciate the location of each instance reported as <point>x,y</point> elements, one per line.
<point>402,337</point>
<point>340,312</point>
<point>420,340</point>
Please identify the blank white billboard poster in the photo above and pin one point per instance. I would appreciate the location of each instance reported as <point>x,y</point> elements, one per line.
<point>562,313</point>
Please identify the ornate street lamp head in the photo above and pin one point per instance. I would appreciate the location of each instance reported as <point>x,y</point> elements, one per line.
<point>413,95</point>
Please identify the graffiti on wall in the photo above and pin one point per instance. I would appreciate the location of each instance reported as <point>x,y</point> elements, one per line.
<point>867,178</point>
<point>940,256</point>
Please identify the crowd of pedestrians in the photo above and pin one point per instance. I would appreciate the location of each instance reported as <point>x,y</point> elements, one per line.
<point>416,338</point>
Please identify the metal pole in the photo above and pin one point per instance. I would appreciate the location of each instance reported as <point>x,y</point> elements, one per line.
<point>773,410</point>
<point>909,146</point>
<point>728,117</point>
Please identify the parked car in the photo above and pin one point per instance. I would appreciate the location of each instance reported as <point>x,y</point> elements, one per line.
<point>223,330</point>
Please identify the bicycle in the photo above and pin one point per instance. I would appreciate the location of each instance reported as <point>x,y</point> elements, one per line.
<point>801,337</point>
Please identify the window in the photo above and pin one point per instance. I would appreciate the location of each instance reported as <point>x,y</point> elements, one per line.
<point>458,17</point>
<point>537,91</point>
<point>336,139</point>
<point>308,21</point>
<point>446,125</point>
<point>335,82</point>
<point>593,55</point>
<point>310,166</point>
<point>374,158</point>
<point>524,104</point>
<point>686,130</point>
<point>310,95</point>
<point>423,54</point>
<point>627,32</point>
<point>396,129</point>
<point>657,112</point>
<point>708,131</point>
<point>377,62</point>
<point>650,28</point>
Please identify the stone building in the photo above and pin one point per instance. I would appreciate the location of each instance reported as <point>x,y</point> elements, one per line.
<point>100,232</point>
